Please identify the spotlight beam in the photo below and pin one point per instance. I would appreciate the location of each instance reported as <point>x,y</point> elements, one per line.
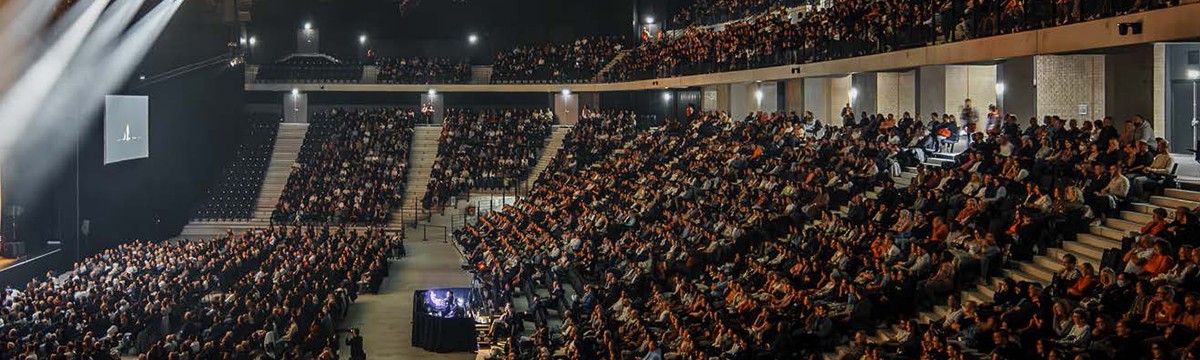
<point>23,99</point>
<point>23,17</point>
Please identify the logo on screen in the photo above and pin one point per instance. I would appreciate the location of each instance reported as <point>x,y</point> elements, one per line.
<point>126,137</point>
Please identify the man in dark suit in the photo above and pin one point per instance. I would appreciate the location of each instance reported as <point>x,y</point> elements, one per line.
<point>355,342</point>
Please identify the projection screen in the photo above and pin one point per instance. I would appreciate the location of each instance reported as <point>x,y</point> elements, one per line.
<point>126,128</point>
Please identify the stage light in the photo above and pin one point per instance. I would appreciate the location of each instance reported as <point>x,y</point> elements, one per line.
<point>649,19</point>
<point>566,92</point>
<point>1193,74</point>
<point>472,39</point>
<point>308,26</point>
<point>432,92</point>
<point>253,40</point>
<point>295,91</point>
<point>362,39</point>
<point>999,88</point>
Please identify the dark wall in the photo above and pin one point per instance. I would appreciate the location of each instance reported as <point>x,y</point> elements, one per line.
<point>652,103</point>
<point>433,27</point>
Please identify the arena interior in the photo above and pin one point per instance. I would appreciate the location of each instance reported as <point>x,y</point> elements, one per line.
<point>599,179</point>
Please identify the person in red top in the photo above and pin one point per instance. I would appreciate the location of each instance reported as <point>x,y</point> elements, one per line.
<point>1085,283</point>
<point>1157,223</point>
<point>1160,262</point>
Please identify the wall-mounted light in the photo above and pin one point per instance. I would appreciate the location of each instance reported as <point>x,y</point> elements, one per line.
<point>362,39</point>
<point>853,93</point>
<point>295,91</point>
<point>649,19</point>
<point>432,92</point>
<point>472,39</point>
<point>666,95</point>
<point>253,40</point>
<point>758,95</point>
<point>1193,74</point>
<point>1000,89</point>
<point>308,26</point>
<point>566,92</point>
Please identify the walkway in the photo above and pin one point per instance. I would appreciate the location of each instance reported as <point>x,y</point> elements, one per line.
<point>386,319</point>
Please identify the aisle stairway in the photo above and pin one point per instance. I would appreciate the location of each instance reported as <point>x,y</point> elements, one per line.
<point>601,76</point>
<point>553,144</point>
<point>422,155</point>
<point>287,152</point>
<point>481,74</point>
<point>1087,248</point>
<point>283,157</point>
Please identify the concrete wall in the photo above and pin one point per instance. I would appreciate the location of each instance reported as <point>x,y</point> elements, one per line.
<point>975,82</point>
<point>866,84</point>
<point>1067,84</point>
<point>896,93</point>
<point>816,98</point>
<point>769,98</point>
<point>839,96</point>
<point>794,91</point>
<point>740,100</point>
<point>723,100</point>
<point>1020,96</point>
<point>931,89</point>
<point>708,99</point>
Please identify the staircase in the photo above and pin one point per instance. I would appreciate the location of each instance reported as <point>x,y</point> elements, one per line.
<point>287,149</point>
<point>600,76</point>
<point>1087,247</point>
<point>553,144</point>
<point>422,155</point>
<point>481,74</point>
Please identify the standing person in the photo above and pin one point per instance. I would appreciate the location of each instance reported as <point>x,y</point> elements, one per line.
<point>969,117</point>
<point>995,120</point>
<point>355,342</point>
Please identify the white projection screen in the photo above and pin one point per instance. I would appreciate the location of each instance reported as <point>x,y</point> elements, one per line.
<point>126,128</point>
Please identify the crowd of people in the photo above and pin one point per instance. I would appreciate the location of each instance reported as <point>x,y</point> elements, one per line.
<point>485,149</point>
<point>310,68</point>
<point>776,236</point>
<point>846,29</point>
<point>263,294</point>
<point>705,12</point>
<point>423,70</point>
<point>351,168</point>
<point>577,61</point>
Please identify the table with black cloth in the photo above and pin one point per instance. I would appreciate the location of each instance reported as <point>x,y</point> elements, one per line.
<point>440,334</point>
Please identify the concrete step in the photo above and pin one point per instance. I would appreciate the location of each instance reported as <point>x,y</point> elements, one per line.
<point>1136,217</point>
<point>1183,194</point>
<point>1105,231</point>
<point>1170,202</point>
<point>1123,225</point>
